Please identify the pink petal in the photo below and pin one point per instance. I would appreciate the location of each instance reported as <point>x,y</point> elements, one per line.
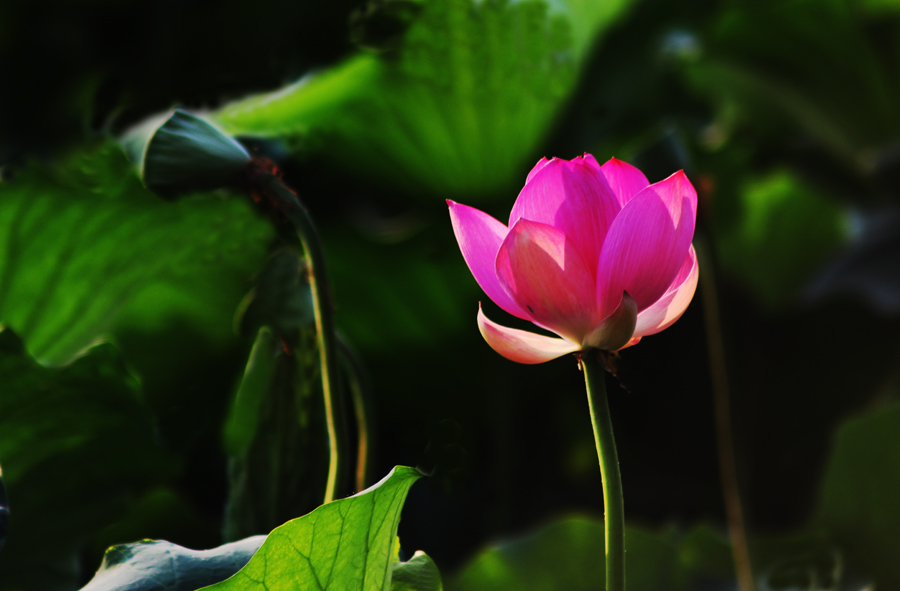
<point>625,180</point>
<point>541,164</point>
<point>647,244</point>
<point>522,346</point>
<point>479,237</point>
<point>669,308</point>
<point>546,275</point>
<point>571,196</point>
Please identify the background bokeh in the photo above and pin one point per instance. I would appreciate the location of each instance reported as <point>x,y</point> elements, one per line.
<point>785,116</point>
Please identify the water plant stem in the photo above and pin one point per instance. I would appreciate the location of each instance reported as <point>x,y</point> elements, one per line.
<point>336,423</point>
<point>614,506</point>
<point>734,513</point>
<point>361,395</point>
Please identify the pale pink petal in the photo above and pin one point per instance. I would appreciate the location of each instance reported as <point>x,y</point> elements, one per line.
<point>669,308</point>
<point>634,341</point>
<point>571,196</point>
<point>522,346</point>
<point>625,180</point>
<point>479,237</point>
<point>647,244</point>
<point>544,273</point>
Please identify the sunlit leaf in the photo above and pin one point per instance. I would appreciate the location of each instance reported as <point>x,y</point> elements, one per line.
<point>460,108</point>
<point>85,246</point>
<point>76,445</point>
<point>344,545</point>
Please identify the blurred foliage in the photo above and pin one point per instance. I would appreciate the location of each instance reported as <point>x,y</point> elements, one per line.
<point>457,110</point>
<point>761,248</point>
<point>858,505</point>
<point>783,114</point>
<point>77,450</point>
<point>564,555</point>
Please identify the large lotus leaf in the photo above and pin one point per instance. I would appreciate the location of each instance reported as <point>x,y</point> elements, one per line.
<point>157,565</point>
<point>85,246</point>
<point>859,507</point>
<point>345,545</point>
<point>393,296</point>
<point>568,555</point>
<point>77,447</point>
<point>459,109</point>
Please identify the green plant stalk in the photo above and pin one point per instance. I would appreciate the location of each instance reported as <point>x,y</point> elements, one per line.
<point>361,396</point>
<point>336,423</point>
<point>613,502</point>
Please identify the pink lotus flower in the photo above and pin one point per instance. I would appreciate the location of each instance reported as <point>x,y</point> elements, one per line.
<point>595,254</point>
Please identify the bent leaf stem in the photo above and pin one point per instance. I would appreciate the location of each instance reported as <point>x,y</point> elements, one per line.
<point>336,423</point>
<point>613,502</point>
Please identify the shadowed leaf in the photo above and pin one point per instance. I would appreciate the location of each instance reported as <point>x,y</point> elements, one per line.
<point>85,245</point>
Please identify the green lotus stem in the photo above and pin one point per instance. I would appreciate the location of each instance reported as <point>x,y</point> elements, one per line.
<point>361,396</point>
<point>288,204</point>
<point>614,506</point>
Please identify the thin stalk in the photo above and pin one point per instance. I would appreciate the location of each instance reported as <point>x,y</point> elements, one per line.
<point>613,502</point>
<point>721,400</point>
<point>336,423</point>
<point>361,395</point>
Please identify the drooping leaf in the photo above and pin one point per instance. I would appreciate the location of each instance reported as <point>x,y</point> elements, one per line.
<point>156,565</point>
<point>85,246</point>
<point>179,152</point>
<point>460,108</point>
<point>858,506</point>
<point>77,446</point>
<point>275,436</point>
<point>342,546</point>
<point>568,555</point>
<point>419,573</point>
<point>281,298</point>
